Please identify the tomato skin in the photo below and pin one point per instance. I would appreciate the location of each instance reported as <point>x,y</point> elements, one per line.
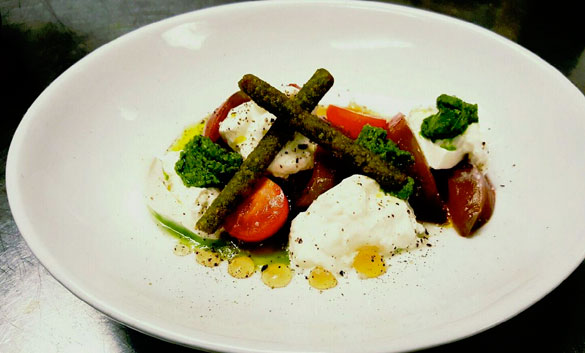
<point>350,122</point>
<point>260,215</point>
<point>426,200</point>
<point>323,178</point>
<point>211,129</point>
<point>471,198</point>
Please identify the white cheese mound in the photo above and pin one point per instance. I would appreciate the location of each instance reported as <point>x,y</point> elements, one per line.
<point>441,158</point>
<point>246,124</point>
<point>353,214</point>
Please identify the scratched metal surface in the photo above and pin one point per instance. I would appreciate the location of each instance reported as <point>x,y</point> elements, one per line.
<point>37,314</point>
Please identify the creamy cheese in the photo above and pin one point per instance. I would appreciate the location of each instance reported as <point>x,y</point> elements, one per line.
<point>353,214</point>
<point>168,196</point>
<point>246,124</point>
<point>439,157</point>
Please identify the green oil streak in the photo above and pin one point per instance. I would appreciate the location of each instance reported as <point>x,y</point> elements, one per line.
<point>448,145</point>
<point>225,248</point>
<point>277,257</point>
<point>183,233</point>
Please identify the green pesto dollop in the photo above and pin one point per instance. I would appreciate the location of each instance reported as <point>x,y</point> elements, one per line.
<point>406,190</point>
<point>452,120</point>
<point>374,139</point>
<point>203,163</point>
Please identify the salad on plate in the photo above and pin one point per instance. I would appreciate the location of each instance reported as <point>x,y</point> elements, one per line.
<point>276,182</point>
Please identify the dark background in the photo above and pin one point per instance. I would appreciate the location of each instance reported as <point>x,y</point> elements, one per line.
<point>39,39</point>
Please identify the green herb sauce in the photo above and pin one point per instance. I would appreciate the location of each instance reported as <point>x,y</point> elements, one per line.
<point>203,163</point>
<point>374,139</point>
<point>452,120</point>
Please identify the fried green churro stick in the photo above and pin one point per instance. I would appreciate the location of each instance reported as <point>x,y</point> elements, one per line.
<point>258,161</point>
<point>388,176</point>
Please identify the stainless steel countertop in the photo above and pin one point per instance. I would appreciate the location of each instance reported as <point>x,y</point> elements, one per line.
<point>37,314</point>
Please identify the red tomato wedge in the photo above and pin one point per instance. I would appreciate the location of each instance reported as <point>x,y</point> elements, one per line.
<point>471,198</point>
<point>260,215</point>
<point>212,126</point>
<point>322,179</point>
<point>425,201</point>
<point>350,122</point>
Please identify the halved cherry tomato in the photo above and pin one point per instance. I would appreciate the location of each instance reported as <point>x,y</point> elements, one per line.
<point>488,205</point>
<point>350,122</point>
<point>260,215</point>
<point>425,201</point>
<point>212,126</point>
<point>322,179</point>
<point>471,198</point>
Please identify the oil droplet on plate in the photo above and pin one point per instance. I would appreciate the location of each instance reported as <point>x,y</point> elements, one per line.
<point>241,267</point>
<point>182,249</point>
<point>207,258</point>
<point>276,275</point>
<point>322,279</point>
<point>369,263</point>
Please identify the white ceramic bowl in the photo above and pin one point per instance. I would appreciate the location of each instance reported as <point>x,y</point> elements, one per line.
<point>78,163</point>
